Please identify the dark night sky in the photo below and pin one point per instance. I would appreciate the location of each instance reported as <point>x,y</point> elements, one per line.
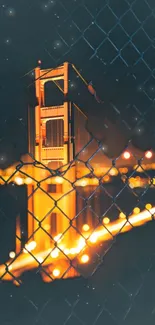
<point>112,43</point>
<point>116,55</point>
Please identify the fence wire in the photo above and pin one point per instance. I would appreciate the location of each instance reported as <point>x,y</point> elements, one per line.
<point>95,264</point>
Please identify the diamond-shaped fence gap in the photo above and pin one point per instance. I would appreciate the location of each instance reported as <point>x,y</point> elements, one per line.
<point>40,195</point>
<point>141,71</point>
<point>55,47</point>
<point>101,201</point>
<point>146,200</point>
<point>141,40</point>
<point>49,306</point>
<point>142,101</point>
<point>143,133</point>
<point>69,32</point>
<point>97,78</point>
<point>83,139</point>
<point>38,254</point>
<point>130,54</point>
<point>104,130</point>
<point>130,23</point>
<point>115,75</point>
<point>105,316</point>
<point>58,268</point>
<point>87,261</point>
<point>82,171</point>
<point>35,173</point>
<point>120,8</point>
<point>26,307</point>
<point>106,19</point>
<point>86,220</point>
<point>121,200</point>
<point>81,97</point>
<point>68,194</point>
<point>119,37</point>
<point>118,256</point>
<point>131,117</point>
<point>107,51</point>
<point>120,306</point>
<point>141,10</point>
<point>89,35</point>
<point>88,149</point>
<point>120,100</point>
<point>88,308</point>
<point>148,27</point>
<point>131,279</point>
<point>96,162</point>
<point>86,18</point>
<point>142,129</point>
<point>128,159</point>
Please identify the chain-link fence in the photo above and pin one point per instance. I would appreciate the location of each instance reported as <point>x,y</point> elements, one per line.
<point>82,251</point>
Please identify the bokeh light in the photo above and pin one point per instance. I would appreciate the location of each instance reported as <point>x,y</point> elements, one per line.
<point>126,155</point>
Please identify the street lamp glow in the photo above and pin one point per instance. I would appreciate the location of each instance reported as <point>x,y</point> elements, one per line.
<point>126,155</point>
<point>85,227</point>
<point>56,273</point>
<point>12,255</point>
<point>84,258</point>
<point>148,154</point>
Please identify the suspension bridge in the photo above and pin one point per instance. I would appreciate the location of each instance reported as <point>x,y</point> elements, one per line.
<point>53,173</point>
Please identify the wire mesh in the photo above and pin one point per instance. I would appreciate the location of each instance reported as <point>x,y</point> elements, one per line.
<point>104,257</point>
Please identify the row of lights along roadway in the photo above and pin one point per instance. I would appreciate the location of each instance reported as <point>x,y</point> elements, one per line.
<point>84,258</point>
<point>148,154</point>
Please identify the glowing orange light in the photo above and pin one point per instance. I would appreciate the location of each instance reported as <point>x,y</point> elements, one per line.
<point>40,259</point>
<point>93,238</point>
<point>55,253</point>
<point>47,227</point>
<point>122,215</point>
<point>56,273</point>
<point>113,172</point>
<point>106,220</point>
<point>85,227</point>
<point>148,206</point>
<point>83,183</point>
<point>12,254</point>
<point>106,178</point>
<point>58,238</point>
<point>28,180</point>
<point>59,180</point>
<point>19,181</point>
<point>126,155</point>
<point>136,210</point>
<point>84,258</point>
<point>148,154</point>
